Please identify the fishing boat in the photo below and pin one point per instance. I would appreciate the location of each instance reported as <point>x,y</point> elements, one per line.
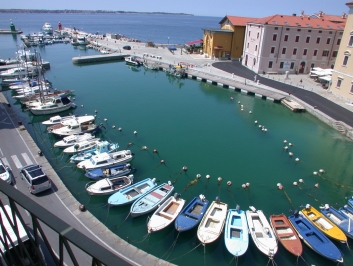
<point>109,172</point>
<point>129,194</point>
<point>347,210</point>
<point>165,214</point>
<point>18,72</point>
<point>340,219</point>
<point>350,202</point>
<point>323,224</point>
<point>314,238</point>
<point>100,147</point>
<point>81,146</point>
<point>151,200</point>
<point>47,28</point>
<point>32,96</point>
<point>192,214</point>
<point>106,159</point>
<point>236,233</point>
<point>75,128</point>
<point>286,234</point>
<point>108,186</point>
<point>73,139</point>
<point>212,223</point>
<point>261,232</point>
<point>62,119</point>
<point>133,61</point>
<point>57,104</point>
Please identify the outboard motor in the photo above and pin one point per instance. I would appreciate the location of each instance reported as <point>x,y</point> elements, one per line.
<point>176,195</point>
<point>307,206</point>
<point>296,213</point>
<point>217,199</point>
<point>237,208</point>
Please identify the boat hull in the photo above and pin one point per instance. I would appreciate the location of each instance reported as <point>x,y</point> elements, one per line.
<point>49,111</point>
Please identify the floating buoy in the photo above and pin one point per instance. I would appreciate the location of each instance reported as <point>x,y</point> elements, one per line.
<point>113,126</point>
<point>185,168</point>
<point>162,161</point>
<point>135,132</point>
<point>155,151</point>
<point>317,185</point>
<point>144,147</point>
<point>219,179</point>
<point>315,173</point>
<point>208,176</point>
<point>279,184</point>
<point>105,119</point>
<point>284,141</point>
<point>243,186</point>
<point>231,98</point>
<point>255,121</point>
<point>301,180</point>
<point>321,171</point>
<point>229,183</point>
<point>241,106</point>
<point>285,147</point>
<point>280,187</point>
<point>74,98</point>
<point>198,176</point>
<point>250,112</point>
<point>239,102</point>
<point>290,154</point>
<point>247,184</point>
<point>81,105</point>
<point>260,126</point>
<point>297,159</point>
<point>265,129</point>
<point>120,129</point>
<point>96,111</point>
<point>241,109</point>
<point>290,144</point>
<point>295,183</point>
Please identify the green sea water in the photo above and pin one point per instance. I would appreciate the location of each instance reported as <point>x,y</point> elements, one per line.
<point>196,125</point>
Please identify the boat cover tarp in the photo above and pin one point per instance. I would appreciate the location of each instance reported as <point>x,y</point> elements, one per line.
<point>173,48</point>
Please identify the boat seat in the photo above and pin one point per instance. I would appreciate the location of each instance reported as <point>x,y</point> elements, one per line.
<point>165,215</point>
<point>285,235</point>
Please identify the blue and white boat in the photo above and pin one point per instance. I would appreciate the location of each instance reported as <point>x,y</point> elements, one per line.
<point>347,210</point>
<point>108,186</point>
<point>340,219</point>
<point>102,146</point>
<point>151,200</point>
<point>130,194</point>
<point>350,202</point>
<point>314,238</point>
<point>236,233</point>
<point>109,172</point>
<point>192,214</point>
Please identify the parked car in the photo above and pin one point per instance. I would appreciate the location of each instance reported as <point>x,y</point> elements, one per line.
<point>37,181</point>
<point>127,47</point>
<point>5,173</point>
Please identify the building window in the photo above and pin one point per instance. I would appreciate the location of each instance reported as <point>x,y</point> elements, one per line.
<point>287,29</point>
<point>281,65</point>
<point>294,51</point>
<point>309,30</point>
<point>350,43</point>
<point>351,90</point>
<point>338,41</point>
<point>284,49</point>
<point>339,82</point>
<point>325,53</point>
<point>255,47</point>
<point>270,64</point>
<point>307,39</point>
<point>296,38</point>
<point>334,53</point>
<point>276,28</point>
<point>274,38</point>
<point>298,29</point>
<point>258,34</point>
<point>285,38</point>
<point>247,46</point>
<point>292,65</point>
<point>328,40</point>
<point>320,31</point>
<point>345,60</point>
<point>305,51</point>
<point>249,33</point>
<point>272,50</point>
<point>330,32</point>
<point>315,52</point>
<point>318,40</point>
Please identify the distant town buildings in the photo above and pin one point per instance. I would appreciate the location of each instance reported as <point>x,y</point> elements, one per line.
<point>342,74</point>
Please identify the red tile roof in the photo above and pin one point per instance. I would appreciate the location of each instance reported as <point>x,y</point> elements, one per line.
<point>349,3</point>
<point>304,21</point>
<point>237,21</point>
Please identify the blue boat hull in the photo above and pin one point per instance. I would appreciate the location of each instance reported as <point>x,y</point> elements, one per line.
<point>340,219</point>
<point>96,174</point>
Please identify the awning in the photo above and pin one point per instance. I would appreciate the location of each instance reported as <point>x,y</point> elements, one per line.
<point>194,42</point>
<point>218,47</point>
<point>172,48</point>
<point>326,78</point>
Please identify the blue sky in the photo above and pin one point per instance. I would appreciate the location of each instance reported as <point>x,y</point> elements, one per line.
<point>247,8</point>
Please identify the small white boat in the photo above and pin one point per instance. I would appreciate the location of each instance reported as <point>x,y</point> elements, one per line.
<point>165,214</point>
<point>58,104</point>
<point>47,28</point>
<point>82,40</point>
<point>261,232</point>
<point>81,146</point>
<point>101,147</point>
<point>74,139</point>
<point>106,159</point>
<point>108,186</point>
<point>17,72</point>
<point>62,119</point>
<point>133,61</point>
<point>212,223</point>
<point>75,128</point>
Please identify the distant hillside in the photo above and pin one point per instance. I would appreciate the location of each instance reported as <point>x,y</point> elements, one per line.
<point>86,12</point>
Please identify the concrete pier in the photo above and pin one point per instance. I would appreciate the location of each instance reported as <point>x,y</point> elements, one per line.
<point>98,58</point>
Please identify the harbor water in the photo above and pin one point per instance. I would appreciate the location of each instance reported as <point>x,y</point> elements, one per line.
<point>196,125</point>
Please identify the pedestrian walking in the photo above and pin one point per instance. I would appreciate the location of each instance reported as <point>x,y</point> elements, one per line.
<point>255,78</point>
<point>301,82</point>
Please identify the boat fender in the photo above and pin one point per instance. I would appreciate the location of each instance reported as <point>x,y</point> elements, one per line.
<point>76,146</point>
<point>169,183</point>
<point>153,180</point>
<point>327,206</point>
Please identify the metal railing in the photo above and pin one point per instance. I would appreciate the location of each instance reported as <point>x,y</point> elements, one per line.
<point>66,235</point>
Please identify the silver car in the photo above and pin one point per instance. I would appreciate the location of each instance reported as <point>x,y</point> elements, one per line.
<point>37,181</point>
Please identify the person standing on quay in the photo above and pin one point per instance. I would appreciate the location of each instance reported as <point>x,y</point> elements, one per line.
<point>255,78</point>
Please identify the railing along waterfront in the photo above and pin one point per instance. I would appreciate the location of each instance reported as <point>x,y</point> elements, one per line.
<point>66,235</point>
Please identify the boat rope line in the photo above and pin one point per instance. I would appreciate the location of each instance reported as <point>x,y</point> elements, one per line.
<point>191,183</point>
<point>232,196</point>
<point>146,236</point>
<point>272,261</point>
<point>308,194</point>
<point>185,253</point>
<point>106,218</point>
<point>117,227</point>
<point>236,260</point>
<point>288,198</point>
<point>171,248</point>
<point>330,180</point>
<point>303,260</point>
<point>204,254</point>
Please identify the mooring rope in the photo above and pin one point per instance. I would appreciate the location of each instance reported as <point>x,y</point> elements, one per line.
<point>185,253</point>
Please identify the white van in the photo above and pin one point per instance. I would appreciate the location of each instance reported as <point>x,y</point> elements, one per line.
<point>22,234</point>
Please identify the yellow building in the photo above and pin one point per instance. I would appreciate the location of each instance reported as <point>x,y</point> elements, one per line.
<point>342,74</point>
<point>228,41</point>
